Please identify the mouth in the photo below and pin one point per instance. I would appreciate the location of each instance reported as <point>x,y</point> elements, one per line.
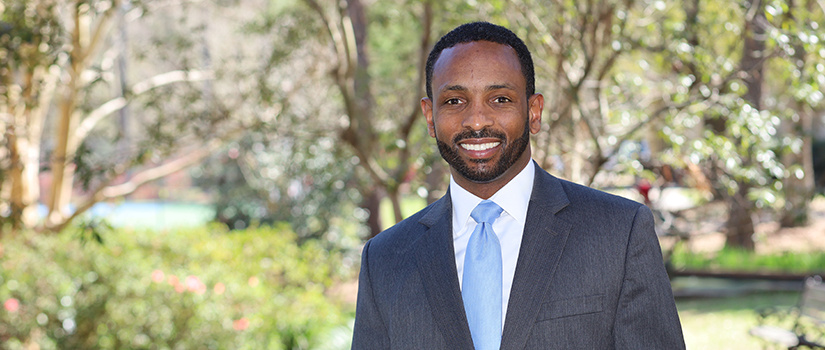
<point>479,147</point>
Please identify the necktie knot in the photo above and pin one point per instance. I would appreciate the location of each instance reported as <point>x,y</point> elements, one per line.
<point>486,211</point>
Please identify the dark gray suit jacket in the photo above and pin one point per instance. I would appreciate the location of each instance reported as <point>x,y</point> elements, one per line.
<point>589,276</point>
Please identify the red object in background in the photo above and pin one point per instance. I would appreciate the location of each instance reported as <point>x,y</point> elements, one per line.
<point>12,305</point>
<point>241,324</point>
<point>644,187</point>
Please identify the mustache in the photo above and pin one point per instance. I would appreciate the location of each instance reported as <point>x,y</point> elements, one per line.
<point>477,134</point>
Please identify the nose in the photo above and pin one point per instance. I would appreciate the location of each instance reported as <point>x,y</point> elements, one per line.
<point>477,118</point>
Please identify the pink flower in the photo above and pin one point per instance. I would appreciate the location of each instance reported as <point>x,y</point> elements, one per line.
<point>194,284</point>
<point>241,324</point>
<point>175,282</point>
<point>12,305</point>
<point>157,276</point>
<point>254,281</point>
<point>219,288</point>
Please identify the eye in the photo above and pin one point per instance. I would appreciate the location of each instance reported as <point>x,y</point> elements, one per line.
<point>452,101</point>
<point>502,99</point>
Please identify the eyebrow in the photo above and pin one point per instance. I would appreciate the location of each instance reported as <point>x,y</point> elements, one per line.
<point>488,88</point>
<point>455,88</point>
<point>500,86</point>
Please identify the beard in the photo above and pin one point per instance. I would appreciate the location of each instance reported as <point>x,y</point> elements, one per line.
<point>483,172</point>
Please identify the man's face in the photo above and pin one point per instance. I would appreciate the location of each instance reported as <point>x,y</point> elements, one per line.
<point>480,113</point>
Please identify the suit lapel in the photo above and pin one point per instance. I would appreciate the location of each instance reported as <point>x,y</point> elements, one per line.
<point>541,247</point>
<point>435,257</point>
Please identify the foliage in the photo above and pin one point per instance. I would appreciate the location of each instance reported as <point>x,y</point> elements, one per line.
<point>261,181</point>
<point>289,165</point>
<point>100,98</point>
<point>738,260</point>
<point>332,142</point>
<point>740,144</point>
<point>189,289</point>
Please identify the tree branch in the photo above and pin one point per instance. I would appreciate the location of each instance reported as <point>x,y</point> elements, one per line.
<point>142,87</point>
<point>406,127</point>
<point>337,40</point>
<point>188,158</point>
<point>99,32</point>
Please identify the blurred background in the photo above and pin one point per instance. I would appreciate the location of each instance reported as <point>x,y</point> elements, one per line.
<point>202,174</point>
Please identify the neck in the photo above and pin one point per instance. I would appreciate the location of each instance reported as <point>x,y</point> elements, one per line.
<point>486,190</point>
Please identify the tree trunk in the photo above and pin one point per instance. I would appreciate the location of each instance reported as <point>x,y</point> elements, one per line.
<point>124,143</point>
<point>740,224</point>
<point>62,165</point>
<point>753,52</point>
<point>24,138</point>
<point>372,203</point>
<point>799,186</point>
<point>23,179</point>
<point>87,36</point>
<point>395,198</point>
<point>358,98</point>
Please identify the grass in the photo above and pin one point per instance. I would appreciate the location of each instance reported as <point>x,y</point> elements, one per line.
<point>723,323</point>
<point>728,259</point>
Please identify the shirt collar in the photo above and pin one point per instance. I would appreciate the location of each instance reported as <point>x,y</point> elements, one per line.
<point>514,198</point>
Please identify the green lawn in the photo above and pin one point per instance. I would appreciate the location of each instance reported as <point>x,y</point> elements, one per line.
<point>723,323</point>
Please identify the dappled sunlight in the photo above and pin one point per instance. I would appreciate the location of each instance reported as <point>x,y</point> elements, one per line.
<point>204,175</point>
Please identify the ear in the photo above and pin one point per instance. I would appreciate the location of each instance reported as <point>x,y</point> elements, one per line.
<point>536,106</point>
<point>427,109</point>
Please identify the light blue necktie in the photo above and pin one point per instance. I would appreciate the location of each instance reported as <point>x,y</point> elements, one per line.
<point>481,290</point>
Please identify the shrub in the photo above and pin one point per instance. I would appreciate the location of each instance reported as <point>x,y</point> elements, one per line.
<point>203,288</point>
<point>737,260</point>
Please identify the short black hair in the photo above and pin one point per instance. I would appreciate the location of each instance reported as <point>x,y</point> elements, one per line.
<point>483,31</point>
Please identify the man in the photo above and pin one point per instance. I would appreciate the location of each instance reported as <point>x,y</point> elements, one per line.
<point>511,257</point>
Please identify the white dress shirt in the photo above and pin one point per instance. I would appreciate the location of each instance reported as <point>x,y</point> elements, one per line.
<point>514,198</point>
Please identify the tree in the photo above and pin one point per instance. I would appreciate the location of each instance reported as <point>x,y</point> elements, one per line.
<point>577,46</point>
<point>743,146</point>
<point>595,65</point>
<point>346,29</point>
<point>57,71</point>
<point>798,98</point>
<point>740,224</point>
<point>729,137</point>
<point>27,87</point>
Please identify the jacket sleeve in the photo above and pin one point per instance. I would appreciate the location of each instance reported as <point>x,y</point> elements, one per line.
<point>370,331</point>
<point>646,317</point>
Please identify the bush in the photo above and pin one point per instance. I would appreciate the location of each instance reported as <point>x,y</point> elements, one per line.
<point>738,260</point>
<point>203,288</point>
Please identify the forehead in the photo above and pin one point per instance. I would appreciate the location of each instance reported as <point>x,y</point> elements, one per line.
<point>477,60</point>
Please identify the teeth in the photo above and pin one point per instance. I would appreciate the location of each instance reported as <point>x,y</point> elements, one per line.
<point>479,147</point>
